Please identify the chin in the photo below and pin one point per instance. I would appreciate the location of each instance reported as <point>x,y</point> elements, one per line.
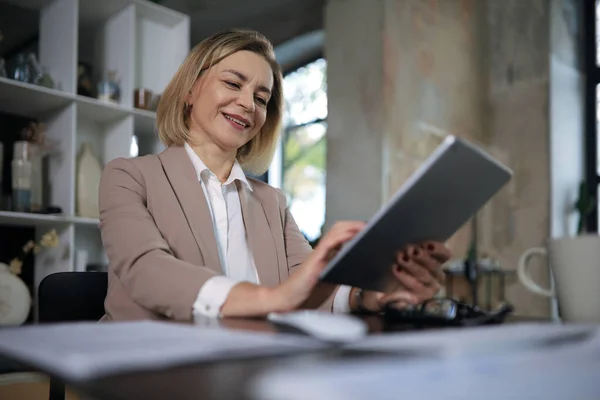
<point>232,143</point>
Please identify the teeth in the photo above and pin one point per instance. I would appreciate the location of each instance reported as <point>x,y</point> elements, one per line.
<point>237,121</point>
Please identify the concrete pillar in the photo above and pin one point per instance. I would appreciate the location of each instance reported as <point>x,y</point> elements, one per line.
<point>400,73</point>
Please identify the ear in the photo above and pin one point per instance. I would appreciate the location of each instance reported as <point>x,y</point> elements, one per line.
<point>191,95</point>
<point>189,98</point>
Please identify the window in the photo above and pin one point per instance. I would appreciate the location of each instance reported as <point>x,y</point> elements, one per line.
<point>303,146</point>
<point>591,15</point>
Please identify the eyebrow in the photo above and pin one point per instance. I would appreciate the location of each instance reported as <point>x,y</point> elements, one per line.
<point>244,78</point>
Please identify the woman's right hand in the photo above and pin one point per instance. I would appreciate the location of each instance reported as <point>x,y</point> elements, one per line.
<point>297,290</point>
<point>300,290</point>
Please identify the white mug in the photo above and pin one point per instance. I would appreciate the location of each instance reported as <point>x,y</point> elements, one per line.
<point>575,266</point>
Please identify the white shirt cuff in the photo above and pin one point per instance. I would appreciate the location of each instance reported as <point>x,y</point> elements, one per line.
<point>212,296</point>
<point>341,301</point>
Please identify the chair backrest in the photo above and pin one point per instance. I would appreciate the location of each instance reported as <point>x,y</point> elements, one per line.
<point>72,296</point>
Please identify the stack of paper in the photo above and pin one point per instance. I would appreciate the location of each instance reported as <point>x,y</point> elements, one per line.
<point>551,362</point>
<point>88,350</point>
<point>468,341</point>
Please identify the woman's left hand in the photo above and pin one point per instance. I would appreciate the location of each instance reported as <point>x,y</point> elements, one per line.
<point>419,275</point>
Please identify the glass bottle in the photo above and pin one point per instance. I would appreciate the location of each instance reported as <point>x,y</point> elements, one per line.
<point>22,71</point>
<point>21,177</point>
<point>36,69</point>
<point>40,75</point>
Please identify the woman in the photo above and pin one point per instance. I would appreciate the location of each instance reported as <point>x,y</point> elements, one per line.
<point>186,232</point>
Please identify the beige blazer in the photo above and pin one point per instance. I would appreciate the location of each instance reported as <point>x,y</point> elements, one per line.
<point>158,235</point>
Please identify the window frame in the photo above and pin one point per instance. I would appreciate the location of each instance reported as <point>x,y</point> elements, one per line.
<point>286,129</point>
<point>592,71</point>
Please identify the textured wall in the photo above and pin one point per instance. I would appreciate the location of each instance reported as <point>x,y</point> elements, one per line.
<point>477,69</point>
<point>354,82</point>
<point>434,82</point>
<point>518,98</point>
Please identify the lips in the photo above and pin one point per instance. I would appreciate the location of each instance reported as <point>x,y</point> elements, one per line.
<point>237,121</point>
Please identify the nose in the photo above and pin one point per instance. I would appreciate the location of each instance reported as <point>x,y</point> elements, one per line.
<point>246,100</point>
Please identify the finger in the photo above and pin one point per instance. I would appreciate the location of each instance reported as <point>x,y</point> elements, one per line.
<point>344,229</point>
<point>347,225</point>
<point>437,250</point>
<point>338,237</point>
<point>332,243</point>
<point>418,265</point>
<point>421,291</point>
<point>439,276</point>
<point>410,282</point>
<point>409,250</point>
<point>425,268</point>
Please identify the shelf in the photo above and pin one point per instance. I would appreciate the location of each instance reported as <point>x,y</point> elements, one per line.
<point>83,221</point>
<point>31,219</point>
<point>31,100</point>
<point>101,112</point>
<point>120,35</point>
<point>35,101</point>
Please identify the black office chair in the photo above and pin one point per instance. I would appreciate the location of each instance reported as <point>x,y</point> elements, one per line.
<point>68,297</point>
<point>72,296</point>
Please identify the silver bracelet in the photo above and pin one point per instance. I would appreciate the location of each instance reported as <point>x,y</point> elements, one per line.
<point>358,297</point>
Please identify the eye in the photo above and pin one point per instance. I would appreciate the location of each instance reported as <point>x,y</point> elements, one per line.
<point>232,84</point>
<point>261,101</point>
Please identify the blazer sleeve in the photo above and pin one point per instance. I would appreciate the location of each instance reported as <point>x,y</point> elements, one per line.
<point>297,250</point>
<point>138,254</point>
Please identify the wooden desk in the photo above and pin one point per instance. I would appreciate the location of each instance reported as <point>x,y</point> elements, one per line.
<point>226,379</point>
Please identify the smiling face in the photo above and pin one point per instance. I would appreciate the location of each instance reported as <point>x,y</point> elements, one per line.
<point>229,101</point>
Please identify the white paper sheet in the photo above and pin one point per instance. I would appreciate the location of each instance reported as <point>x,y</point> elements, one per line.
<point>80,351</point>
<point>563,368</point>
<point>469,341</point>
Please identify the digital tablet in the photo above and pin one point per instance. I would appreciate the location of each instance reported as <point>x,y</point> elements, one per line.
<point>453,183</point>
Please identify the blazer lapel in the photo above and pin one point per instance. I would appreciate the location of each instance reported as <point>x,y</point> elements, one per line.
<point>260,236</point>
<point>180,173</point>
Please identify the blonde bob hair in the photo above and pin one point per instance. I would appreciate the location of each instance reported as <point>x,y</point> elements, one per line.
<point>172,114</point>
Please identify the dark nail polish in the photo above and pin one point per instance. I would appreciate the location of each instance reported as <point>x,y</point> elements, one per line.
<point>430,247</point>
<point>416,251</point>
<point>405,258</point>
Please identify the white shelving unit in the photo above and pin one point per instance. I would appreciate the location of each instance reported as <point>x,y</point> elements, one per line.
<point>145,43</point>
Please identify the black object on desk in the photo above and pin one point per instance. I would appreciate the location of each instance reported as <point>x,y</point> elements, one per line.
<point>445,312</point>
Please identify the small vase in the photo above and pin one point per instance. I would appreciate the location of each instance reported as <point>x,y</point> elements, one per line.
<point>108,89</point>
<point>15,300</point>
<point>88,180</point>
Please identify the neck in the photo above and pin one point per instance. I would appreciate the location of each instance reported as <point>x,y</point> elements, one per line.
<point>218,161</point>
